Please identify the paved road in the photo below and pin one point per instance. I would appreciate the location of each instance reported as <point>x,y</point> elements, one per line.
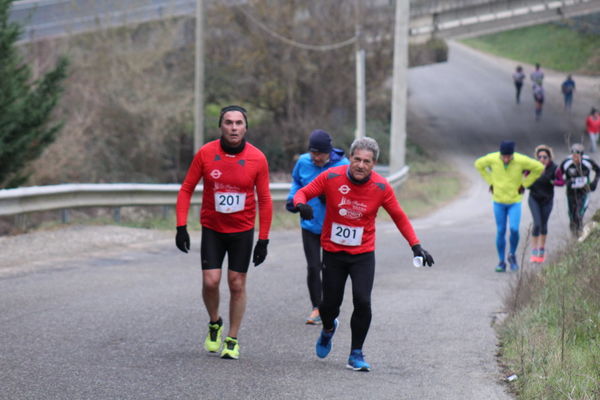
<point>128,322</point>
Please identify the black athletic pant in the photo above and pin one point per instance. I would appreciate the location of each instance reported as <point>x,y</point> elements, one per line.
<point>540,212</point>
<point>314,265</point>
<point>336,269</point>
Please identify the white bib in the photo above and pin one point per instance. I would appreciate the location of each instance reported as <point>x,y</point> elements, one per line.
<point>578,182</point>
<point>346,235</point>
<point>229,202</point>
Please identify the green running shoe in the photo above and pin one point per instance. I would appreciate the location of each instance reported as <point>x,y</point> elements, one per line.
<point>212,343</point>
<point>231,349</point>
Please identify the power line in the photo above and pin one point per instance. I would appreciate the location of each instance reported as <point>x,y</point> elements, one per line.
<point>294,43</point>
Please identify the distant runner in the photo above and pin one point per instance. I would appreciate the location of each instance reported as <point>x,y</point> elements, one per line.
<point>577,170</point>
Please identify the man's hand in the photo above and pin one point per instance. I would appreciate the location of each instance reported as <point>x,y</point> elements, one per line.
<point>306,211</point>
<point>260,252</point>
<point>521,189</point>
<point>491,189</point>
<point>289,205</point>
<point>418,251</point>
<point>182,239</point>
<point>593,185</point>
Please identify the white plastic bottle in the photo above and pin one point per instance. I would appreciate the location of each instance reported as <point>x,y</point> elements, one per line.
<point>418,262</point>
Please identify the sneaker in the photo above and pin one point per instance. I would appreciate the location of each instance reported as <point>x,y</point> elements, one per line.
<point>324,342</point>
<point>231,349</point>
<point>534,256</point>
<point>314,318</point>
<point>512,260</point>
<point>501,267</point>
<point>212,343</point>
<point>357,362</point>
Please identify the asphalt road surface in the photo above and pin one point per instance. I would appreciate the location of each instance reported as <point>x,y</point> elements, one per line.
<point>127,321</point>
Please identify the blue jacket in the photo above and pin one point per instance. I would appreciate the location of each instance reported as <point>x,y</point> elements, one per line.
<point>304,172</point>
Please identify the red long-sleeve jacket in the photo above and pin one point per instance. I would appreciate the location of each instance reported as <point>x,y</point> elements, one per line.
<point>351,209</point>
<point>228,199</point>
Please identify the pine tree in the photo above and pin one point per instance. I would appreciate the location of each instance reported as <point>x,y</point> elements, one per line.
<point>25,105</point>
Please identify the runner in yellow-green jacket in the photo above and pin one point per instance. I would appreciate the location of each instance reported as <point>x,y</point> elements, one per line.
<point>508,174</point>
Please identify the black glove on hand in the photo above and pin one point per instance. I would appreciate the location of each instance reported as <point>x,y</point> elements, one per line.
<point>593,185</point>
<point>260,252</point>
<point>306,211</point>
<point>491,189</point>
<point>322,198</point>
<point>418,251</point>
<point>289,205</point>
<point>521,189</point>
<point>182,239</point>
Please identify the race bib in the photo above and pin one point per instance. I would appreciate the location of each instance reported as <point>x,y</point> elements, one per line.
<point>228,203</point>
<point>578,182</point>
<point>346,235</point>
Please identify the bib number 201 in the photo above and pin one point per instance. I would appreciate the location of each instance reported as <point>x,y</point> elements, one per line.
<point>346,235</point>
<point>228,203</point>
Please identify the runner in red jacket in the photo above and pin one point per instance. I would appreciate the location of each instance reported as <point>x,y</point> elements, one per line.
<point>231,169</point>
<point>354,193</point>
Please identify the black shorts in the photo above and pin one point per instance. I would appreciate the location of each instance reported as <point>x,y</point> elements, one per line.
<point>237,246</point>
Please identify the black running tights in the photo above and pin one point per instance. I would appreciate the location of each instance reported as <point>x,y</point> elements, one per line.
<point>361,269</point>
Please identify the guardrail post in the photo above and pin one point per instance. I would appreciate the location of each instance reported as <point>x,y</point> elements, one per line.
<point>117,214</point>
<point>166,210</point>
<point>65,215</point>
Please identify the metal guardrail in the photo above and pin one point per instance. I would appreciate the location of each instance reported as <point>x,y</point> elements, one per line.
<point>56,197</point>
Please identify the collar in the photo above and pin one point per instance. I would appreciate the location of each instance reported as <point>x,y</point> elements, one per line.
<point>232,150</point>
<point>356,181</point>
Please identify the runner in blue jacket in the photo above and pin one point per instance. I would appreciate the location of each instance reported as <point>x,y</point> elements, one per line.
<point>320,157</point>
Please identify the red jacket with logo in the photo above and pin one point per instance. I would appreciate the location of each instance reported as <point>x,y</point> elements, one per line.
<point>228,200</point>
<point>351,209</point>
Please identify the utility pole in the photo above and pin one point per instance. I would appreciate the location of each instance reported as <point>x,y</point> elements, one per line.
<point>399,92</point>
<point>199,78</point>
<point>360,75</point>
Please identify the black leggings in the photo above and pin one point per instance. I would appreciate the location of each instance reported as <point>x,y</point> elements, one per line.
<point>361,269</point>
<point>314,266</point>
<point>540,212</point>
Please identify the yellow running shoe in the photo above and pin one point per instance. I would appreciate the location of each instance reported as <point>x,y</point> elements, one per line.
<point>231,349</point>
<point>212,343</point>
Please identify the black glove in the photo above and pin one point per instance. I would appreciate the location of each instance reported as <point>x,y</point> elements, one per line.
<point>491,189</point>
<point>182,239</point>
<point>418,251</point>
<point>260,252</point>
<point>306,211</point>
<point>322,198</point>
<point>593,185</point>
<point>289,205</point>
<point>521,189</point>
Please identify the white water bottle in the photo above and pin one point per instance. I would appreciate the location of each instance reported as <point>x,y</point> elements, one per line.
<point>418,262</point>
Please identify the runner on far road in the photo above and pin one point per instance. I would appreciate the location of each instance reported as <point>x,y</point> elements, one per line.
<point>537,76</point>
<point>504,171</point>
<point>592,126</point>
<point>231,170</point>
<point>576,170</point>
<point>541,200</point>
<point>518,78</point>
<point>354,193</point>
<point>568,89</point>
<point>320,157</point>
<point>538,98</point>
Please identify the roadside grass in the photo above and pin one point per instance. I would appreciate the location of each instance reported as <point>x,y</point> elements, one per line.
<point>556,47</point>
<point>551,339</point>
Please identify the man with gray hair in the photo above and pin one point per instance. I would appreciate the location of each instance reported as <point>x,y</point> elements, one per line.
<point>354,194</point>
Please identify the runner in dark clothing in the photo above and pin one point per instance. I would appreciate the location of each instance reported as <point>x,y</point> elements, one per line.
<point>576,170</point>
<point>541,199</point>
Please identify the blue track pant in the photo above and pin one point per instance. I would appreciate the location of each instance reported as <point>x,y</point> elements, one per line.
<point>513,213</point>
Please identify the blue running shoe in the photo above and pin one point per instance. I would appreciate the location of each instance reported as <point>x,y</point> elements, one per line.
<point>357,362</point>
<point>324,344</point>
<point>501,267</point>
<point>512,260</point>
